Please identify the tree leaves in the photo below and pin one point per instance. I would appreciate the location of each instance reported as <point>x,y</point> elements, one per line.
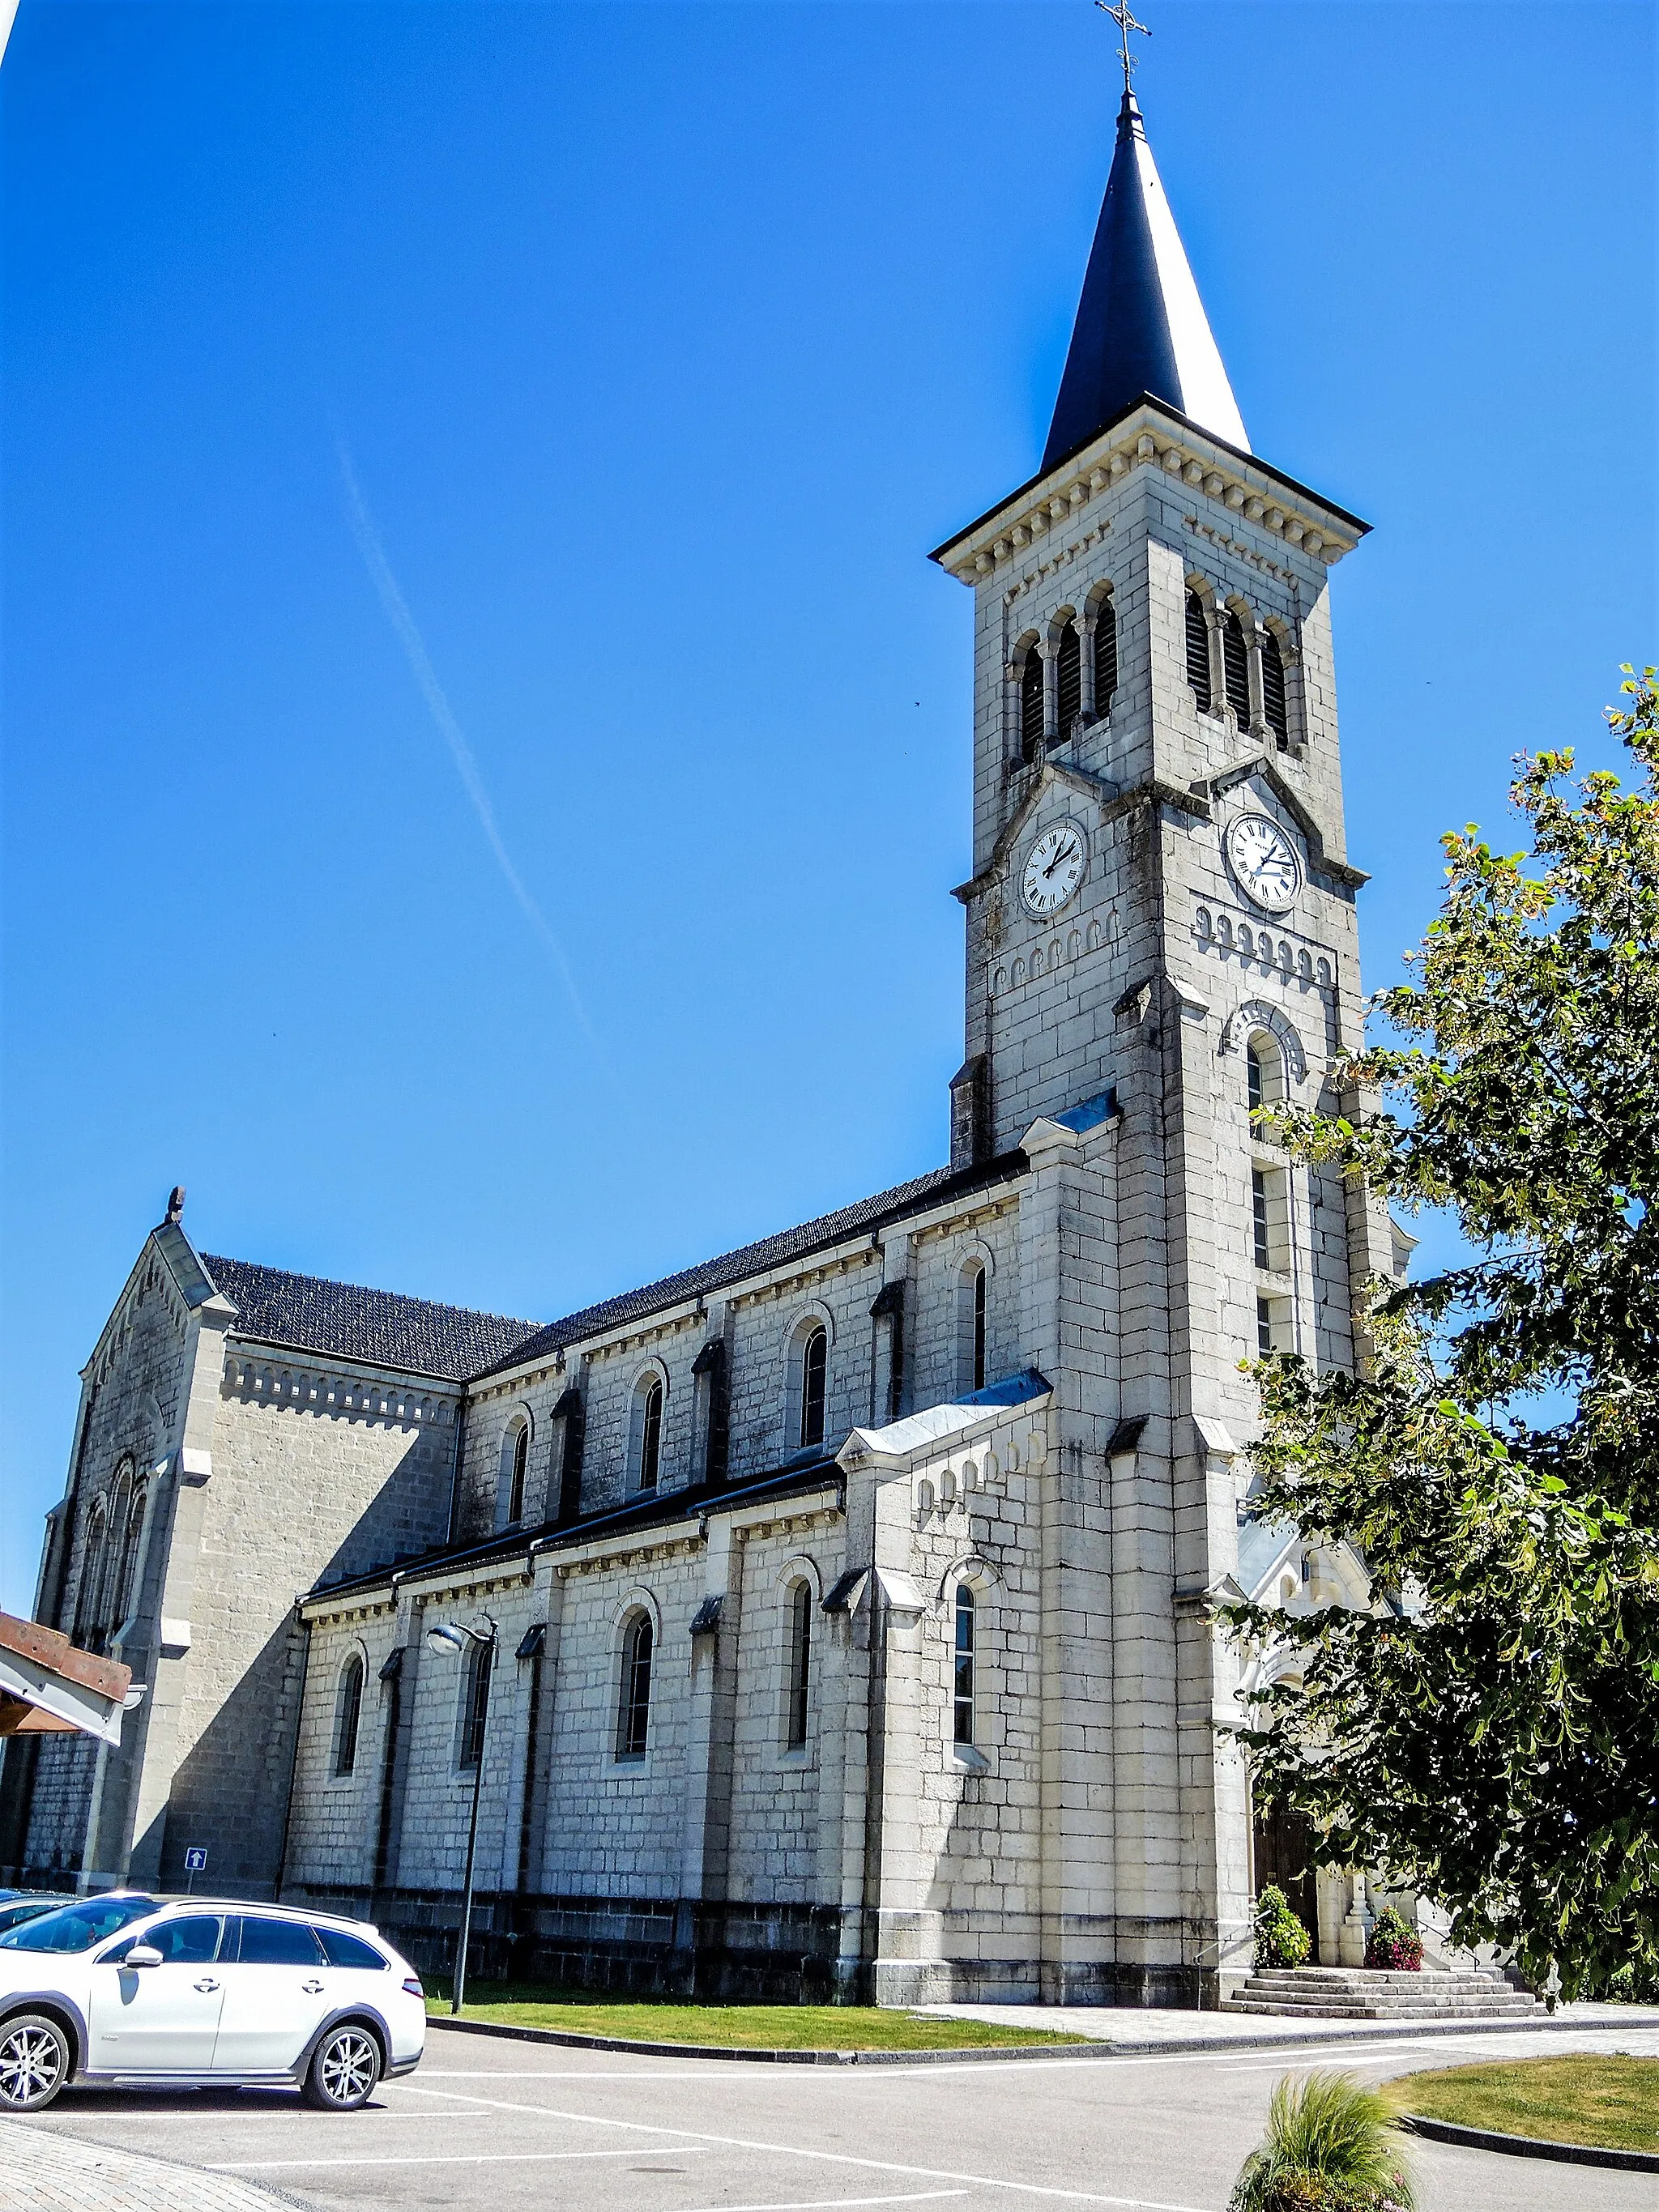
<point>1493,1737</point>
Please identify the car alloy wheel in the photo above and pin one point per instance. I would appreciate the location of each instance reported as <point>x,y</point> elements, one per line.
<point>34,2062</point>
<point>345,2069</point>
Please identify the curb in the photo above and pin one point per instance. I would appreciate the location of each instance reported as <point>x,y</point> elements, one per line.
<point>572,2039</point>
<point>1448,2131</point>
<point>1007,2054</point>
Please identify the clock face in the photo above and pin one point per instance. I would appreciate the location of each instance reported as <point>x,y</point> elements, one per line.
<point>1054,869</point>
<point>1264,860</point>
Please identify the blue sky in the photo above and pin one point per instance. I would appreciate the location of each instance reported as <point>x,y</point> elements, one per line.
<point>660,343</point>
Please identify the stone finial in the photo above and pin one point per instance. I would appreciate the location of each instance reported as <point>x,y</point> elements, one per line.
<point>176,1204</point>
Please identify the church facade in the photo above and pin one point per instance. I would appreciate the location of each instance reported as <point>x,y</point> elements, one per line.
<point>834,1619</point>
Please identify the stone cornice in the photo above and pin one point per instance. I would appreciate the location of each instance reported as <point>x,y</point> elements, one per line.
<point>1150,434</point>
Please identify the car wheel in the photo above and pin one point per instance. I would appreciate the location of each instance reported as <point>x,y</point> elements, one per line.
<point>343,2070</point>
<point>34,2062</point>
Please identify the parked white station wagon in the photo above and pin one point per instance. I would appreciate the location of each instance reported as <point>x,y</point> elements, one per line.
<point>130,1990</point>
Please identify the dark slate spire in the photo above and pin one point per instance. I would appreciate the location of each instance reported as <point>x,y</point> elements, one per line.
<point>1140,325</point>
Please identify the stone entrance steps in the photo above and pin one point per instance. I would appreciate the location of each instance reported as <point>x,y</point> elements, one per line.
<point>1365,1993</point>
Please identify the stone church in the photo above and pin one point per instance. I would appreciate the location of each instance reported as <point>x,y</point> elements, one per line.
<point>835,1618</point>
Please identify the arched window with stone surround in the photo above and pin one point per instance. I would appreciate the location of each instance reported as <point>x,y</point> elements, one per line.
<point>515,1466</point>
<point>1264,1069</point>
<point>798,1710</point>
<point>646,1431</point>
<point>1105,650</point>
<point>1275,705</point>
<point>633,1700</point>
<point>814,1356</point>
<point>1198,650</point>
<point>972,1292</point>
<point>347,1714</point>
<point>126,1578</point>
<point>963,1667</point>
<point>1068,678</point>
<point>1031,702</point>
<point>88,1617</point>
<point>1235,666</point>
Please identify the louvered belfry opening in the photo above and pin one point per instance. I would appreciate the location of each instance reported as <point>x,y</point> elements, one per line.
<point>1198,650</point>
<point>1236,668</point>
<point>1069,679</point>
<point>1273,707</point>
<point>1030,704</point>
<point>1105,656</point>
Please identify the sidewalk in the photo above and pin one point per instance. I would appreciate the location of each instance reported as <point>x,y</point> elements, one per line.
<point>43,2171</point>
<point>1133,2028</point>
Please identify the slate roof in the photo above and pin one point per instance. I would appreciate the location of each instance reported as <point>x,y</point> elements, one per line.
<point>345,1320</point>
<point>804,1473</point>
<point>349,1321</point>
<point>1140,325</point>
<point>760,1258</point>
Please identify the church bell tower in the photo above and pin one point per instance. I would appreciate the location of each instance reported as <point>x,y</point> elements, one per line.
<point>1161,935</point>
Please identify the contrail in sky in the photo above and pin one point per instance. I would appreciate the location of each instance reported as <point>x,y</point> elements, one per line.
<point>397,614</point>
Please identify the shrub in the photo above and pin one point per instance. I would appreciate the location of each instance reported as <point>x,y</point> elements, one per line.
<point>1330,2147</point>
<point>1394,1944</point>
<point>1281,1938</point>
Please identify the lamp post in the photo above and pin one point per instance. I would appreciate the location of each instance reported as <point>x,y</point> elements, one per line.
<point>453,1637</point>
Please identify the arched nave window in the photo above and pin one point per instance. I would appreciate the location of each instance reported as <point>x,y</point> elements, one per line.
<point>971,1292</point>
<point>963,1683</point>
<point>800,1663</point>
<point>516,1452</point>
<point>634,1705</point>
<point>814,1365</point>
<point>645,1438</point>
<point>348,1713</point>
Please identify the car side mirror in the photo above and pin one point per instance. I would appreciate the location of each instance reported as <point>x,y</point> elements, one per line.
<point>143,1955</point>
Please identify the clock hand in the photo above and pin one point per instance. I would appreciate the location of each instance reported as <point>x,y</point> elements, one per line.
<point>1064,854</point>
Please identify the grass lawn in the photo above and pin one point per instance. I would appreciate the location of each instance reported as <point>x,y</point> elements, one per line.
<point>1611,2101</point>
<point>738,2026</point>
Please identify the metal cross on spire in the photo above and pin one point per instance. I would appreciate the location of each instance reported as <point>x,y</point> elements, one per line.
<point>1126,22</point>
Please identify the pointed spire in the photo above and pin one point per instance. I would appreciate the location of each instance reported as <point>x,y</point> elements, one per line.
<point>1140,325</point>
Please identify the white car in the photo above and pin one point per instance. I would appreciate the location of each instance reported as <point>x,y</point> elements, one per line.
<point>129,1991</point>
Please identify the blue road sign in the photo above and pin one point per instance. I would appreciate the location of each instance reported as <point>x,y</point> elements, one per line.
<point>196,1859</point>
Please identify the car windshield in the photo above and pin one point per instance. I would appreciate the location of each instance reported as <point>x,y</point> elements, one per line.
<point>78,1926</point>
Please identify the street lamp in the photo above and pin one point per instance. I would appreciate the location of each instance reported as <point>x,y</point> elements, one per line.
<point>446,1641</point>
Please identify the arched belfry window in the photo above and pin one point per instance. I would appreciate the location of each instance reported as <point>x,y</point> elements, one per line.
<point>1105,655</point>
<point>648,1420</point>
<point>634,1703</point>
<point>347,1714</point>
<point>1068,680</point>
<point>814,1365</point>
<point>1236,667</point>
<point>1030,704</point>
<point>963,1672</point>
<point>1274,708</point>
<point>1198,650</point>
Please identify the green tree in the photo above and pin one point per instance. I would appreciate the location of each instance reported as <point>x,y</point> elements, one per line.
<point>1492,1735</point>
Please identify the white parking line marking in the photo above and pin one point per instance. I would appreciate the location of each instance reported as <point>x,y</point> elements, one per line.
<point>835,2203</point>
<point>828,2157</point>
<point>459,2158</point>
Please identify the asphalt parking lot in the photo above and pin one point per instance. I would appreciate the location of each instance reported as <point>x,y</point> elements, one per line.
<point>489,2125</point>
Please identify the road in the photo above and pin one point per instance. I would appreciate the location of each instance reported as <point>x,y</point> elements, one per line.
<point>495,2126</point>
